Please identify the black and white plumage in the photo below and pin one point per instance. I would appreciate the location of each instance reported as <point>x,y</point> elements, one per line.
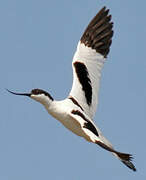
<point>76,112</point>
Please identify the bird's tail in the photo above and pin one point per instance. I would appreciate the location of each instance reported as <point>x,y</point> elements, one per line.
<point>123,157</point>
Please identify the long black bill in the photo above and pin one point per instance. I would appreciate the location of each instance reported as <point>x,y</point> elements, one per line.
<point>21,94</point>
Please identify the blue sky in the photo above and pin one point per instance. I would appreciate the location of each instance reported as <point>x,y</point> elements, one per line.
<point>37,43</point>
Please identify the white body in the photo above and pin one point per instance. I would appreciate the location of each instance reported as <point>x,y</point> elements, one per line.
<point>61,110</point>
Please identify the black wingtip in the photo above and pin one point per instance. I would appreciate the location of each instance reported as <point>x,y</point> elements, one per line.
<point>127,160</point>
<point>123,157</point>
<point>98,34</point>
<point>130,165</point>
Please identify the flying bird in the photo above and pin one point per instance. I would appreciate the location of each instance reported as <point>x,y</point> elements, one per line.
<point>76,112</point>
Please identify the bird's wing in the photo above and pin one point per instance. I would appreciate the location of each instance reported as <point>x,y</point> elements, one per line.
<point>88,61</point>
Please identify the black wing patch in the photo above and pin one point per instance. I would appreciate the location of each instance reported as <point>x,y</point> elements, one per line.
<point>88,124</point>
<point>75,102</point>
<point>98,34</point>
<point>83,76</point>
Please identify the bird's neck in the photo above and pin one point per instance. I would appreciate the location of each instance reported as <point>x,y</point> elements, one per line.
<point>44,100</point>
<point>53,108</point>
<point>47,103</point>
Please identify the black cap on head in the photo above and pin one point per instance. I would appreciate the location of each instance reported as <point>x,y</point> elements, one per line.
<point>40,91</point>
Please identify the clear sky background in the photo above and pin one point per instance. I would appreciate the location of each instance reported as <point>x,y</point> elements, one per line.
<point>37,41</point>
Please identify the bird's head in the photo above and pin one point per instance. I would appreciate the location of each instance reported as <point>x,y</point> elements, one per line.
<point>37,94</point>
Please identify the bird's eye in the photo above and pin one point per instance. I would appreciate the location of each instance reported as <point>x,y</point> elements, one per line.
<point>36,91</point>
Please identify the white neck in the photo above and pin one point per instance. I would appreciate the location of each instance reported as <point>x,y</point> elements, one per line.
<point>43,99</point>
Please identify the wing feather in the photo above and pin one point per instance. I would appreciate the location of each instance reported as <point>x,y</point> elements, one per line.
<point>89,59</point>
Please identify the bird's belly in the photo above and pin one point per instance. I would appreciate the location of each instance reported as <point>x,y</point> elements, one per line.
<point>71,124</point>
<point>74,127</point>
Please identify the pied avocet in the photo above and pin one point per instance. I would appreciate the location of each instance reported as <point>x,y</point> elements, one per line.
<point>77,110</point>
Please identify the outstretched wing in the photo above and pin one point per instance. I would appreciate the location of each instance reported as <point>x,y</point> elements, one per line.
<point>88,61</point>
